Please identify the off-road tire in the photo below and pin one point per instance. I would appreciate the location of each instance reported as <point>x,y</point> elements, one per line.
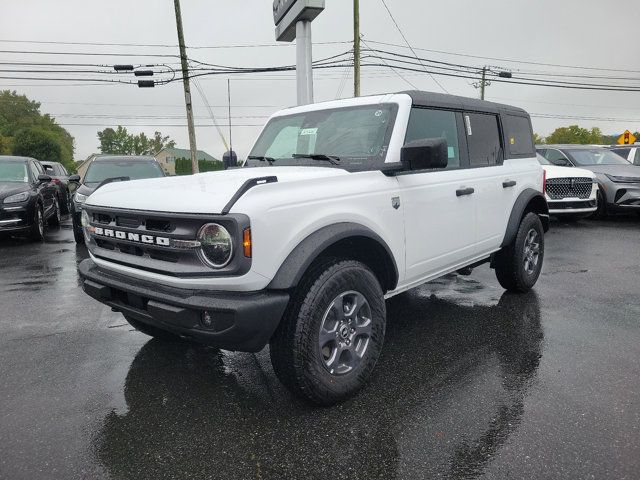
<point>510,261</point>
<point>153,331</point>
<point>36,232</point>
<point>295,353</point>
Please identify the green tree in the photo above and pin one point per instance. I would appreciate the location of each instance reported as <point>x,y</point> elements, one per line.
<point>121,142</point>
<point>39,143</point>
<point>116,142</point>
<point>18,114</point>
<point>183,166</point>
<point>538,139</point>
<point>575,134</point>
<point>158,142</point>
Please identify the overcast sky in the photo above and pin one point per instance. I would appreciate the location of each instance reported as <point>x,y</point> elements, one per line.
<point>593,33</point>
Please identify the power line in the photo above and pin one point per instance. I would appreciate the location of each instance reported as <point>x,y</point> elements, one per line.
<point>579,67</point>
<point>394,70</point>
<point>409,45</point>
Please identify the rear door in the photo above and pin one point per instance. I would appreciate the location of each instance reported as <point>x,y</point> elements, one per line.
<point>495,187</point>
<point>440,214</point>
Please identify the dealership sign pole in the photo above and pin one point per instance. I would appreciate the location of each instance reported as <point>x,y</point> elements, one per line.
<point>293,22</point>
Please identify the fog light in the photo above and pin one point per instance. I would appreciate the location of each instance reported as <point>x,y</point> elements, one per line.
<point>206,320</point>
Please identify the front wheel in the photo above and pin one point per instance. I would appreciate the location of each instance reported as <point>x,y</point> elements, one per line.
<point>601,211</point>
<point>331,336</point>
<point>518,265</point>
<point>36,232</point>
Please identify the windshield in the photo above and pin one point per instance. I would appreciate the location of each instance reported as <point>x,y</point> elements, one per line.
<point>14,172</point>
<point>542,160</point>
<point>358,136</point>
<point>101,170</point>
<point>597,156</point>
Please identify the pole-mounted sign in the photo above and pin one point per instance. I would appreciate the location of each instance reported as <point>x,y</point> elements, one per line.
<point>293,22</point>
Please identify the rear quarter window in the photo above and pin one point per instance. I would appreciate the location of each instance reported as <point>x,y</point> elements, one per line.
<point>519,136</point>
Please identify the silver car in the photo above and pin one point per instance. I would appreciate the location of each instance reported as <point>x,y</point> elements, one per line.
<point>618,180</point>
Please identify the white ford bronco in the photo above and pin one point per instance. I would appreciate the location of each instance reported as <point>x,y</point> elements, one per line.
<point>339,206</point>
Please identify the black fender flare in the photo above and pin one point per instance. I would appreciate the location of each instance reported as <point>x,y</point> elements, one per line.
<point>520,207</point>
<point>308,250</point>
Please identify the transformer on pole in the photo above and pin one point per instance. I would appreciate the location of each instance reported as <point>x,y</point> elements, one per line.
<point>293,22</point>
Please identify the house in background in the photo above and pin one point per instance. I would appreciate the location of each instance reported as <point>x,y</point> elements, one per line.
<point>167,158</point>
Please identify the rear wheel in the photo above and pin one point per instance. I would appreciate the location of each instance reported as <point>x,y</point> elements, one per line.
<point>331,336</point>
<point>153,331</point>
<point>518,265</point>
<point>36,232</point>
<point>56,218</point>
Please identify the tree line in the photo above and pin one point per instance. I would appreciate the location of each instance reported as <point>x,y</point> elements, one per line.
<point>24,131</point>
<point>574,134</point>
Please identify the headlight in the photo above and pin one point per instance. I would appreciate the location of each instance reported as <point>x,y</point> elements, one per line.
<point>617,179</point>
<point>79,198</point>
<point>216,245</point>
<point>84,219</point>
<point>17,198</point>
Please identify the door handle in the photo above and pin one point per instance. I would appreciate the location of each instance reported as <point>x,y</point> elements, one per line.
<point>464,191</point>
<point>509,183</point>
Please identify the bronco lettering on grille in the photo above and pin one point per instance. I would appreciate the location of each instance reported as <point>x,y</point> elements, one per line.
<point>132,237</point>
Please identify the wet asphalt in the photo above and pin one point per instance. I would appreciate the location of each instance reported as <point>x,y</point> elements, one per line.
<point>472,383</point>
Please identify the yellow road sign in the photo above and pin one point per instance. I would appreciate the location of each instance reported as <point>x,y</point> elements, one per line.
<point>626,138</point>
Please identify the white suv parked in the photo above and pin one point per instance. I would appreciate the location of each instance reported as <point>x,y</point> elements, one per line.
<point>340,206</point>
<point>572,193</point>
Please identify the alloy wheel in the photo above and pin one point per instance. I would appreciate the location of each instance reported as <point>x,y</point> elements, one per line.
<point>531,252</point>
<point>345,333</point>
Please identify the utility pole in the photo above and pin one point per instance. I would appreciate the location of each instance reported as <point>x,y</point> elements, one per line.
<point>483,82</point>
<point>230,139</point>
<point>356,48</point>
<point>187,90</point>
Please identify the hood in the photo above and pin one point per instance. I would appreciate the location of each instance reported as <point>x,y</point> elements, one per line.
<point>617,170</point>
<point>11,188</point>
<point>554,171</point>
<point>202,193</point>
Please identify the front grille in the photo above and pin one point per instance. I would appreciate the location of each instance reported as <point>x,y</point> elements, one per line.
<point>570,187</point>
<point>158,241</point>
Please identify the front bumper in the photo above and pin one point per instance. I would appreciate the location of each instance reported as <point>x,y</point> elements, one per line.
<point>241,321</point>
<point>573,206</point>
<point>622,196</point>
<point>15,218</point>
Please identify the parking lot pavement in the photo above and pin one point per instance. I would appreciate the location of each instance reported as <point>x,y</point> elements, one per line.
<point>472,382</point>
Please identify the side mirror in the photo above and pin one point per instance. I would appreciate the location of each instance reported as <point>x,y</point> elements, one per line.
<point>74,183</point>
<point>42,178</point>
<point>74,178</point>
<point>562,162</point>
<point>425,154</point>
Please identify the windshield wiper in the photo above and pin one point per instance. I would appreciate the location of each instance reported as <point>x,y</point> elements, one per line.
<point>112,179</point>
<point>332,159</point>
<point>262,158</point>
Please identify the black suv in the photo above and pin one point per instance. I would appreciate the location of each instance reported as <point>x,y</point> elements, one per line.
<point>104,169</point>
<point>27,197</point>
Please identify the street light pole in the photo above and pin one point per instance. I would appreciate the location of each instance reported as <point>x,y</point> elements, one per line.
<point>187,90</point>
<point>483,82</point>
<point>356,48</point>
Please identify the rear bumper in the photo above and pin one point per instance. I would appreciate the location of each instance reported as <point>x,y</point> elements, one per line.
<point>240,321</point>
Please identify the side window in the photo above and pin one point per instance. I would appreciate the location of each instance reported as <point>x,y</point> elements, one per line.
<point>556,157</point>
<point>49,169</point>
<point>636,161</point>
<point>34,171</point>
<point>63,170</point>
<point>427,123</point>
<point>623,152</point>
<point>483,138</point>
<point>519,135</point>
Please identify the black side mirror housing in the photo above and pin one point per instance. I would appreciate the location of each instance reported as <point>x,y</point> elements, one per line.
<point>42,178</point>
<point>424,154</point>
<point>74,178</point>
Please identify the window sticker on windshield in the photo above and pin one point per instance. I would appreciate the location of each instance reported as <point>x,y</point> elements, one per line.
<point>451,152</point>
<point>512,141</point>
<point>308,131</point>
<point>378,113</point>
